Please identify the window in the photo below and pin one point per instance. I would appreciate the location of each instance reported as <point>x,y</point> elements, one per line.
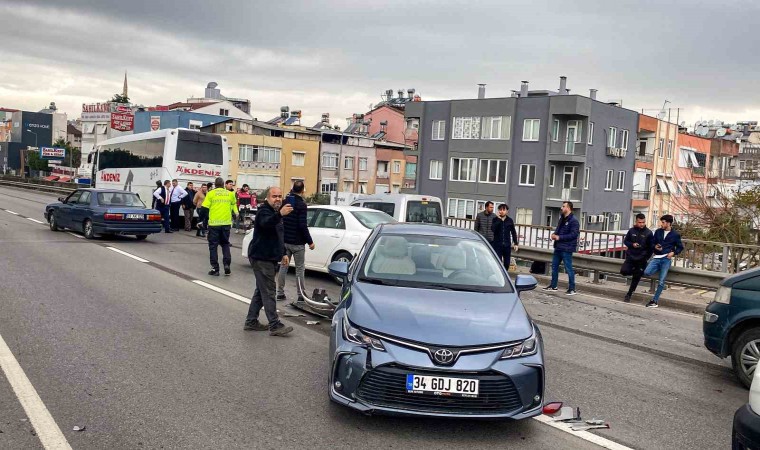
<point>531,129</point>
<point>527,175</point>
<point>245,152</point>
<point>621,180</point>
<point>299,159</point>
<point>461,208</point>
<point>591,133</point>
<point>266,154</point>
<point>348,162</point>
<point>410,170</point>
<point>555,130</point>
<point>363,163</point>
<point>493,171</point>
<point>84,199</point>
<point>612,137</point>
<point>144,153</point>
<point>382,169</point>
<point>423,212</point>
<point>463,169</point>
<point>660,147</point>
<point>670,149</point>
<point>570,177</point>
<point>224,112</point>
<point>328,185</point>
<point>608,183</point>
<point>466,128</point>
<point>396,166</point>
<point>439,130</point>
<point>624,139</point>
<point>524,216</point>
<point>436,169</point>
<point>381,189</point>
<point>496,127</point>
<point>587,178</point>
<point>395,188</point>
<point>195,124</point>
<point>549,219</point>
<point>329,160</point>
<point>574,131</point>
<point>348,185</point>
<point>362,187</point>
<point>552,175</point>
<point>327,218</point>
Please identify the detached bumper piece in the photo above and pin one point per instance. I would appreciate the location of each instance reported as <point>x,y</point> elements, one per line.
<point>746,433</point>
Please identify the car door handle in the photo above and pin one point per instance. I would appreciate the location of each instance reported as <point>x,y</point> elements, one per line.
<point>335,235</point>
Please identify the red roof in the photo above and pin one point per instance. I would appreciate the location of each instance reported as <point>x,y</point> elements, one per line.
<point>8,109</point>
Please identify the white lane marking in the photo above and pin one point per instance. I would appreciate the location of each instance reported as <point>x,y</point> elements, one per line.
<point>11,212</point>
<point>47,430</point>
<point>585,435</point>
<point>223,291</point>
<point>75,235</point>
<point>128,255</point>
<point>35,220</point>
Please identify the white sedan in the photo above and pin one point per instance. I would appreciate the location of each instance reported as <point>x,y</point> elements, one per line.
<point>338,232</point>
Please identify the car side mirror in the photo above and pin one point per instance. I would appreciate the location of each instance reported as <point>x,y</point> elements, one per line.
<point>62,199</point>
<point>338,269</point>
<point>525,283</point>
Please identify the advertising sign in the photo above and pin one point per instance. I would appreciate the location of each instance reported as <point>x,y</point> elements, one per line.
<point>123,121</point>
<point>52,153</point>
<point>155,123</point>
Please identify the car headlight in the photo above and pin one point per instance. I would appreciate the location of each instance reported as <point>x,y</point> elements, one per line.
<point>723,295</point>
<point>525,348</point>
<point>356,336</point>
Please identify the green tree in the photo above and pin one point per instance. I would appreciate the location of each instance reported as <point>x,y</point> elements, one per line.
<point>35,162</point>
<point>118,98</point>
<point>73,155</point>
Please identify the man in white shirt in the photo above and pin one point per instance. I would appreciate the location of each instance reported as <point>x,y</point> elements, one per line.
<point>162,204</point>
<point>176,193</point>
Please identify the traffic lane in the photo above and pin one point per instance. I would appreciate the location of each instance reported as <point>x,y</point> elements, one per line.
<point>661,329</point>
<point>16,431</point>
<point>649,401</point>
<point>169,365</point>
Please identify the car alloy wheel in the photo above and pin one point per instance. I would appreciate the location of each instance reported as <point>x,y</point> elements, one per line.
<point>750,355</point>
<point>89,232</point>
<point>745,354</point>
<point>53,223</point>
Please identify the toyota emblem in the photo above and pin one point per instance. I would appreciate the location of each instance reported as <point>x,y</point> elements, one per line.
<point>443,356</point>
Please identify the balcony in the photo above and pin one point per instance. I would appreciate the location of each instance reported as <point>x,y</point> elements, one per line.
<point>564,194</point>
<point>567,151</point>
<point>640,195</point>
<point>749,174</point>
<point>646,157</point>
<point>258,165</point>
<point>698,171</point>
<point>383,174</point>
<point>750,151</point>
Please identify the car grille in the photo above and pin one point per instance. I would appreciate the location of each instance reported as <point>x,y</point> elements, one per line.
<point>386,386</point>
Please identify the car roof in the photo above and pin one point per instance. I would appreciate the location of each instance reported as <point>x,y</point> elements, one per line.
<point>426,229</point>
<point>119,191</point>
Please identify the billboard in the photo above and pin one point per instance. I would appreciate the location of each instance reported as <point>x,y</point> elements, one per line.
<point>155,123</point>
<point>52,153</point>
<point>123,121</point>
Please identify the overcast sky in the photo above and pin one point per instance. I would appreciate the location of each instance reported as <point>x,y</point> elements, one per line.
<point>339,56</point>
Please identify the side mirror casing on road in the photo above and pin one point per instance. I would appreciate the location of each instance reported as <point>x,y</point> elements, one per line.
<point>339,269</point>
<point>525,283</point>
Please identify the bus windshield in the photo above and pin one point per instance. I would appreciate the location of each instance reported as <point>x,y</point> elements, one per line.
<point>193,146</point>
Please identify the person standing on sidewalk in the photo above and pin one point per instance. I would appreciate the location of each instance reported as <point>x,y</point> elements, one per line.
<point>266,253</point>
<point>188,206</point>
<point>200,196</point>
<point>484,222</point>
<point>162,196</point>
<point>667,244</point>
<point>638,242</point>
<point>504,235</point>
<point>565,239</point>
<point>221,207</point>
<point>297,236</point>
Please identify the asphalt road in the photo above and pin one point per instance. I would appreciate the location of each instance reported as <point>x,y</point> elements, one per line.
<point>146,358</point>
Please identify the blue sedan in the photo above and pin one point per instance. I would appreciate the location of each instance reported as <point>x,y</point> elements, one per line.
<point>103,211</point>
<point>430,324</point>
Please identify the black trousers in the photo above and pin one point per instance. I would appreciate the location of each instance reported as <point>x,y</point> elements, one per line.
<point>637,270</point>
<point>263,296</point>
<point>219,236</point>
<point>177,219</point>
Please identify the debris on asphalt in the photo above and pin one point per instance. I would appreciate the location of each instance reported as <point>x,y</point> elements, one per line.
<point>590,427</point>
<point>568,413</point>
<point>293,315</point>
<point>78,428</point>
<point>312,322</point>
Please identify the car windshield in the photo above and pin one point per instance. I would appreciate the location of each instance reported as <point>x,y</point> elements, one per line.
<point>371,219</point>
<point>434,262</point>
<point>120,199</point>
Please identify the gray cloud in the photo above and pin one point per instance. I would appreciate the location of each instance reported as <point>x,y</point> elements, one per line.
<point>338,56</point>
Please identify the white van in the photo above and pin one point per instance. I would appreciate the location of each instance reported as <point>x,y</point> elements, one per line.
<point>405,207</point>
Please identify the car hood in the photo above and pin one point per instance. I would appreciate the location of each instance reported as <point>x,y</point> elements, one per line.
<point>439,317</point>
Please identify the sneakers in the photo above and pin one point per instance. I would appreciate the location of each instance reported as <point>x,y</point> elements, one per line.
<point>549,288</point>
<point>627,298</point>
<point>214,272</point>
<point>227,271</point>
<point>570,292</point>
<point>280,330</point>
<point>652,304</point>
<point>281,297</point>
<point>255,326</point>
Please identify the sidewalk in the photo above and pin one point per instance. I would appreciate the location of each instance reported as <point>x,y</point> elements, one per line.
<point>675,297</point>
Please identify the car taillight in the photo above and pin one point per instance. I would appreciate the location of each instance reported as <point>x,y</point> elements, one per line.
<point>113,216</point>
<point>156,217</point>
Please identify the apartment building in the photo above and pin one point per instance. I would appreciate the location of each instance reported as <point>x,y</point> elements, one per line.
<point>654,181</point>
<point>749,153</point>
<point>533,150</point>
<point>348,162</point>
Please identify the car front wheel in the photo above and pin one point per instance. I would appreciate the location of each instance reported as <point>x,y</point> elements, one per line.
<point>745,355</point>
<point>89,230</point>
<point>342,257</point>
<point>53,222</point>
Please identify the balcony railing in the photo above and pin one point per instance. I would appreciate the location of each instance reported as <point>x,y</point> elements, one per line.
<point>698,171</point>
<point>640,195</point>
<point>568,148</point>
<point>258,165</point>
<point>564,194</point>
<point>646,157</point>
<point>382,174</point>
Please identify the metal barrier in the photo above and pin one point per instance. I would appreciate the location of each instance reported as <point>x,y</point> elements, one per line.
<point>38,187</point>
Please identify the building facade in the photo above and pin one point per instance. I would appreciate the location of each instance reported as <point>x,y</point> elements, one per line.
<point>534,151</point>
<point>157,120</point>
<point>348,163</point>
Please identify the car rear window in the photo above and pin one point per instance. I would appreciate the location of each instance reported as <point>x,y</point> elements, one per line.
<point>387,208</point>
<point>423,211</point>
<point>120,199</point>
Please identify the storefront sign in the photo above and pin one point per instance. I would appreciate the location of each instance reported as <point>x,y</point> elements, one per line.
<point>123,121</point>
<point>155,123</point>
<point>52,153</point>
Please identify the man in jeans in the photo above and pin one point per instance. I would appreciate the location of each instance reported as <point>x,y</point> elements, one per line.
<point>565,239</point>
<point>297,236</point>
<point>221,207</point>
<point>667,244</point>
<point>266,252</point>
<point>484,222</point>
<point>638,242</point>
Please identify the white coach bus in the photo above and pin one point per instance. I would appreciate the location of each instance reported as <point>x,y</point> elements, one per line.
<point>135,162</point>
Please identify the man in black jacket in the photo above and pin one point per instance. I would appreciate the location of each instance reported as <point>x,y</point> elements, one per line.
<point>266,252</point>
<point>504,235</point>
<point>297,236</point>
<point>638,241</point>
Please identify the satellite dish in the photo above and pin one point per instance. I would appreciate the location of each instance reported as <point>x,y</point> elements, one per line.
<point>710,123</point>
<point>734,127</point>
<point>754,138</point>
<point>683,124</point>
<point>720,132</point>
<point>703,131</point>
<point>704,123</point>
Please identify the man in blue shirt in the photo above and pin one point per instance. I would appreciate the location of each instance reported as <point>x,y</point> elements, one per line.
<point>667,244</point>
<point>565,239</point>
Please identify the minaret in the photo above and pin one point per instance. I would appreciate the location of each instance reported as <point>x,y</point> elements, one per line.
<point>124,90</point>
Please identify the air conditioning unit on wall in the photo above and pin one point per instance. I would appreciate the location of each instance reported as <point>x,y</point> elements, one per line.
<point>616,217</point>
<point>623,152</point>
<point>610,151</point>
<point>592,219</point>
<point>601,218</point>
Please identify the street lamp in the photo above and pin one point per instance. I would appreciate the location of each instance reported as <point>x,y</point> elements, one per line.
<point>23,163</point>
<point>35,136</point>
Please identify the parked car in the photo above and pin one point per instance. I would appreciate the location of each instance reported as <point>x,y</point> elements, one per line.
<point>338,233</point>
<point>103,211</point>
<point>405,207</point>
<point>731,323</point>
<point>392,349</point>
<point>746,431</point>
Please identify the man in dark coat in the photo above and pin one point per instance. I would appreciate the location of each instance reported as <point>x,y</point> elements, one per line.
<point>638,242</point>
<point>504,235</point>
<point>565,239</point>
